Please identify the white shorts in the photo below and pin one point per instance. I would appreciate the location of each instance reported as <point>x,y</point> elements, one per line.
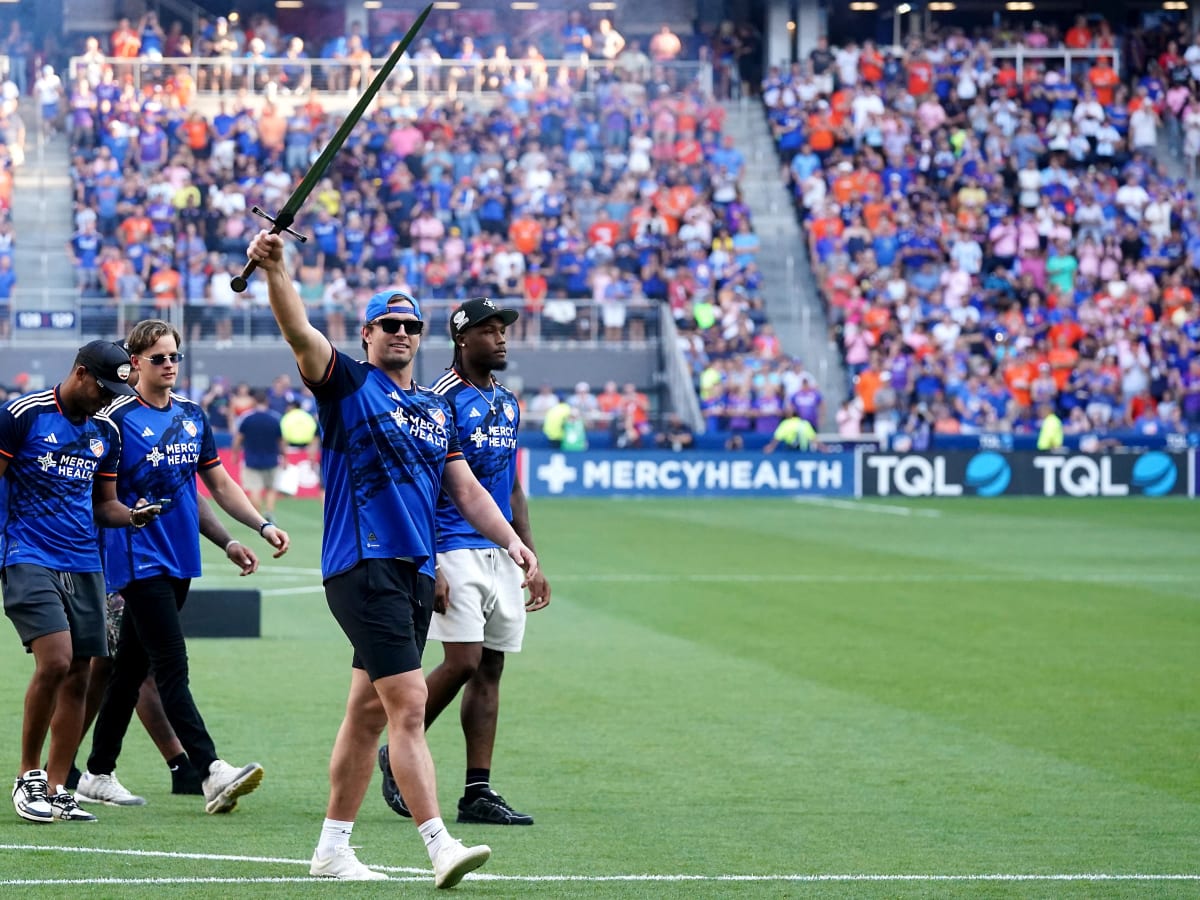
<point>487,602</point>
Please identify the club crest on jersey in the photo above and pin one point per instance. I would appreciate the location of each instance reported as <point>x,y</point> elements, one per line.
<point>190,427</point>
<point>509,412</point>
<point>96,446</point>
<point>438,416</point>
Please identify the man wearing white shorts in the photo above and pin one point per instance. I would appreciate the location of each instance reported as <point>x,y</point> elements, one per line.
<point>479,604</point>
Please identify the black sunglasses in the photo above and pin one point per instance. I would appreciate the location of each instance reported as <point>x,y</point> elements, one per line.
<point>393,326</point>
<point>159,358</point>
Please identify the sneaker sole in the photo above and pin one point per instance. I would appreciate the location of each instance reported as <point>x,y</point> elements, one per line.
<point>34,817</point>
<point>76,820</point>
<point>475,820</point>
<point>250,778</point>
<point>136,801</point>
<point>469,863</point>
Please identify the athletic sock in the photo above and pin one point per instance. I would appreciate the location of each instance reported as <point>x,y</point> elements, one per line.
<point>478,782</point>
<point>334,834</point>
<point>436,836</point>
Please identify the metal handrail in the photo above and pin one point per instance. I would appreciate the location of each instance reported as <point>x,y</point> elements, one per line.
<point>1021,54</point>
<point>483,79</point>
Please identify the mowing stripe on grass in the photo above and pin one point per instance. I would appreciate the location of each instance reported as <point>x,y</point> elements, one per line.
<point>862,506</point>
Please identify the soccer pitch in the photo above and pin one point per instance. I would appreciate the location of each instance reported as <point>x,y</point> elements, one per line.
<point>964,698</point>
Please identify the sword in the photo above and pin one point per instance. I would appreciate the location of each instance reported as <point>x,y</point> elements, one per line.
<point>282,221</point>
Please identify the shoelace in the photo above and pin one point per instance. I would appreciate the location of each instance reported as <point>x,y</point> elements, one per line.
<point>35,790</point>
<point>493,797</point>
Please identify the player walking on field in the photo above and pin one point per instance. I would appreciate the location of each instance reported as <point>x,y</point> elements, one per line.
<point>167,441</point>
<point>388,448</point>
<point>58,481</point>
<point>479,600</point>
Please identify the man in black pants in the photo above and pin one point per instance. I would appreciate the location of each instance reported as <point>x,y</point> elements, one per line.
<point>166,442</point>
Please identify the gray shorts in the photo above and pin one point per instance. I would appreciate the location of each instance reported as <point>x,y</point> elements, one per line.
<point>41,601</point>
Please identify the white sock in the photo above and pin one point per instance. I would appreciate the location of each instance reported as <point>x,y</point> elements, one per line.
<point>334,834</point>
<point>436,836</point>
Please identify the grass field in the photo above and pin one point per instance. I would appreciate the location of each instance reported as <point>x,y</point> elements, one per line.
<point>733,699</point>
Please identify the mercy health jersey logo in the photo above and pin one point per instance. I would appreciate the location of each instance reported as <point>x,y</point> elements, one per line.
<point>690,474</point>
<point>992,474</point>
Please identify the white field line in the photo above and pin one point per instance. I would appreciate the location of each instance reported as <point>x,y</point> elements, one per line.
<point>417,874</point>
<point>862,506</point>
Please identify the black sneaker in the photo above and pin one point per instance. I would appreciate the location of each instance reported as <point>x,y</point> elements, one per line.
<point>186,780</point>
<point>391,791</point>
<point>489,808</point>
<point>73,777</point>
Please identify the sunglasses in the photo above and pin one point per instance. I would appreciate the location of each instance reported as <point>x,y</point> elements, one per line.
<point>159,358</point>
<point>393,326</point>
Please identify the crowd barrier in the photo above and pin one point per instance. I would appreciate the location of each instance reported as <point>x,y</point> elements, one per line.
<point>860,473</point>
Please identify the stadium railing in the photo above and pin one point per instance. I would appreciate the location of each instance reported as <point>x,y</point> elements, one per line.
<point>45,314</point>
<point>215,77</point>
<point>1068,57</point>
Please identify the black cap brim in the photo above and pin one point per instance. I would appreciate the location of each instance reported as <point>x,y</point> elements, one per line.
<point>120,388</point>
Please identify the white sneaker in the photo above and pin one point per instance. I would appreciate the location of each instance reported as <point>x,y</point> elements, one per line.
<point>105,789</point>
<point>454,861</point>
<point>225,783</point>
<point>344,865</point>
<point>65,808</point>
<point>31,796</point>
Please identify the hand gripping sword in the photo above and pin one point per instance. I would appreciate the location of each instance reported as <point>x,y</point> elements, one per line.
<point>283,220</point>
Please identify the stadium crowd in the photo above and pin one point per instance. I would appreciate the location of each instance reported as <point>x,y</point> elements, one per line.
<point>994,246</point>
<point>589,211</point>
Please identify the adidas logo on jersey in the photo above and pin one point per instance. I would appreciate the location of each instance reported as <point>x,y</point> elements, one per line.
<point>475,414</point>
<point>146,432</point>
<point>51,438</point>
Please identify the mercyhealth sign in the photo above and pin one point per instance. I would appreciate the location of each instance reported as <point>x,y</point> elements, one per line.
<point>664,474</point>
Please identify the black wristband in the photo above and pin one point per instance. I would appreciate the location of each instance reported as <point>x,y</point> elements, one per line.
<point>263,527</point>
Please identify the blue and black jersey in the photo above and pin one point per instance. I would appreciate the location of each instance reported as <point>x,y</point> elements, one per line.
<point>487,425</point>
<point>383,452</point>
<point>162,450</point>
<point>46,505</point>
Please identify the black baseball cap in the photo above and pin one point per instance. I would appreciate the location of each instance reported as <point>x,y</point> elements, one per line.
<point>471,312</point>
<point>109,362</point>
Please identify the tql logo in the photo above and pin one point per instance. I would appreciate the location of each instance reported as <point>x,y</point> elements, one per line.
<point>986,474</point>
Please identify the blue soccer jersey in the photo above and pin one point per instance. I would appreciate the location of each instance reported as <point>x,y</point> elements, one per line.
<point>162,450</point>
<point>383,452</point>
<point>46,506</point>
<point>487,425</point>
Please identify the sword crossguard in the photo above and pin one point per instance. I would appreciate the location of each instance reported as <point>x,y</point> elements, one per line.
<point>274,221</point>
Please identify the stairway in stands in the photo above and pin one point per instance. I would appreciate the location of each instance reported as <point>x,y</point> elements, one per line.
<point>788,287</point>
<point>43,222</point>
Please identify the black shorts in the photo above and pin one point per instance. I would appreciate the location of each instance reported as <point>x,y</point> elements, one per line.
<point>384,607</point>
<point>42,601</point>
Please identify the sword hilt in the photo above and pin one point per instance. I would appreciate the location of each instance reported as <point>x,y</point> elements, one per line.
<point>279,224</point>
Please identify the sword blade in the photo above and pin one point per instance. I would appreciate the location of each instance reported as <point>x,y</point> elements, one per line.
<point>287,213</point>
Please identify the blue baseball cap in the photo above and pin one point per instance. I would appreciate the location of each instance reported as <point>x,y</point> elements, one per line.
<point>391,301</point>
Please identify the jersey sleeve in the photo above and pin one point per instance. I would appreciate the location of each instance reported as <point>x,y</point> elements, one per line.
<point>111,462</point>
<point>208,446</point>
<point>12,432</point>
<point>342,377</point>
